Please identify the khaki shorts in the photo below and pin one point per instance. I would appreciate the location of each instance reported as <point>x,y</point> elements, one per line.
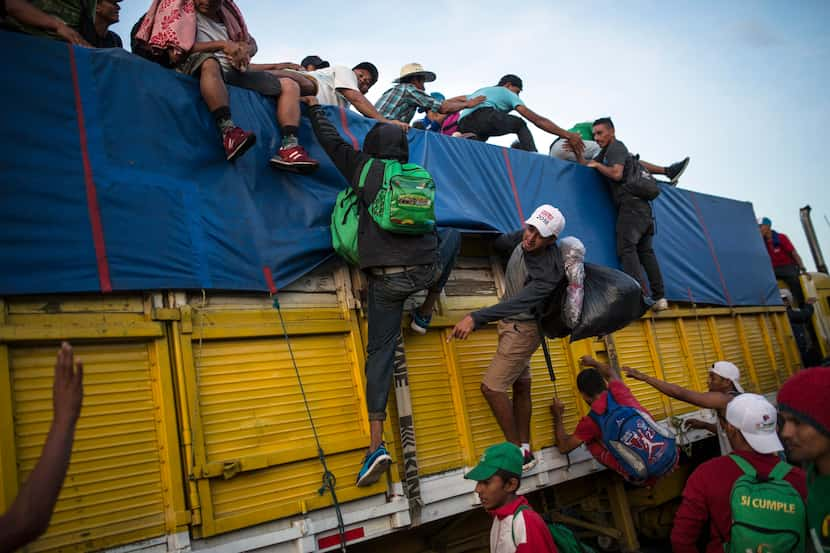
<point>518,340</point>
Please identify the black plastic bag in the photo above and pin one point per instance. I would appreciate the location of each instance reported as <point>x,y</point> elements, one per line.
<point>612,300</point>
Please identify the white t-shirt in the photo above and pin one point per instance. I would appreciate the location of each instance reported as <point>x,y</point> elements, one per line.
<point>329,79</point>
<point>208,30</point>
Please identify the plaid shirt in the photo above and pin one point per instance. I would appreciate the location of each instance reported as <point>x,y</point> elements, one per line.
<point>401,101</point>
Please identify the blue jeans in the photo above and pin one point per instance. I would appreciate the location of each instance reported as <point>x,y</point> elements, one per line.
<point>387,294</point>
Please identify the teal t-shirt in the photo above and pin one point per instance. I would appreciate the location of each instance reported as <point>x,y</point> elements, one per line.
<point>498,98</point>
<point>818,510</point>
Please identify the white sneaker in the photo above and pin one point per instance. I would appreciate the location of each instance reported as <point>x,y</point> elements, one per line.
<point>660,305</point>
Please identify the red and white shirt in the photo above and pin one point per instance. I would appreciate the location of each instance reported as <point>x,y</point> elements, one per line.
<point>524,532</point>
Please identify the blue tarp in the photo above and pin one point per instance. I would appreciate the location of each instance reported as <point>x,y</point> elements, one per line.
<point>113,178</point>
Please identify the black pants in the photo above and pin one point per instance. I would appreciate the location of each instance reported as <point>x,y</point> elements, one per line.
<point>635,232</point>
<point>789,274</point>
<point>487,122</point>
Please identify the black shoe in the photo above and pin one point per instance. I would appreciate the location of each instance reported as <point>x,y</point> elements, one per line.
<point>674,170</point>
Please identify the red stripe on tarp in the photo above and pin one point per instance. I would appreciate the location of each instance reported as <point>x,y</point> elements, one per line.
<point>334,539</point>
<point>344,121</point>
<point>513,185</point>
<point>711,248</point>
<point>269,279</point>
<point>91,191</point>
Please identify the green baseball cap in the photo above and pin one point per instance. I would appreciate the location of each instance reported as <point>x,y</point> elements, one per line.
<point>504,456</point>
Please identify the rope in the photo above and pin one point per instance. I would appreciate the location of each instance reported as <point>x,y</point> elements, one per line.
<point>697,323</point>
<point>329,480</point>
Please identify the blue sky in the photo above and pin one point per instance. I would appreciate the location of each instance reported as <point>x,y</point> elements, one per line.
<point>741,87</point>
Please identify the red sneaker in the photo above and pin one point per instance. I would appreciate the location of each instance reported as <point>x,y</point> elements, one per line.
<point>237,142</point>
<point>295,160</point>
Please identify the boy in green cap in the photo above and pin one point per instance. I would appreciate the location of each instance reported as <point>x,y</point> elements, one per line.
<point>517,528</point>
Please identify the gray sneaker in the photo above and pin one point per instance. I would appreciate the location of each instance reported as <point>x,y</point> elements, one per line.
<point>674,170</point>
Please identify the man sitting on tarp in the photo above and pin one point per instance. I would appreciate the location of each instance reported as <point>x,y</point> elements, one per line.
<point>340,86</point>
<point>401,101</point>
<point>635,220</point>
<point>396,265</point>
<point>492,117</point>
<point>533,271</point>
<point>62,19</point>
<point>212,43</point>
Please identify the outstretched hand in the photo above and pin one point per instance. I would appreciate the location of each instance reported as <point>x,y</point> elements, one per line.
<point>401,124</point>
<point>575,143</point>
<point>463,329</point>
<point>68,389</point>
<point>634,373</point>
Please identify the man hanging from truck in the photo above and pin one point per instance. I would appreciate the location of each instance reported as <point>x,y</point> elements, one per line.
<point>397,265</point>
<point>635,219</point>
<point>534,269</point>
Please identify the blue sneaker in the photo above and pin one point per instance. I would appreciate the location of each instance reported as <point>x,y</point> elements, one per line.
<point>419,323</point>
<point>374,465</point>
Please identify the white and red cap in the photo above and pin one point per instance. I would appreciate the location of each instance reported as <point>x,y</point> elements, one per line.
<point>548,220</point>
<point>757,420</point>
<point>728,371</point>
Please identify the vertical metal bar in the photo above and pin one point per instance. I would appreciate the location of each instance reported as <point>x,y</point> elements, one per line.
<point>621,512</point>
<point>406,424</point>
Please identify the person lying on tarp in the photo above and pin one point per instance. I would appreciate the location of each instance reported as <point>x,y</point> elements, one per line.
<point>639,450</point>
<point>340,86</point>
<point>534,270</point>
<point>212,43</point>
<point>61,19</point>
<point>492,117</point>
<point>401,101</point>
<point>561,149</point>
<point>396,265</point>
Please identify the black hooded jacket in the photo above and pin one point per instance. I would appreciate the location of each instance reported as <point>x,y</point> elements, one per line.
<point>376,247</point>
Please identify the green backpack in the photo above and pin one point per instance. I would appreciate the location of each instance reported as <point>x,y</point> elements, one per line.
<point>404,204</point>
<point>768,514</point>
<point>563,537</point>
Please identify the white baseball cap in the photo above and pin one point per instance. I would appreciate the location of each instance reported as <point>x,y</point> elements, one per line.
<point>757,419</point>
<point>728,371</point>
<point>548,220</point>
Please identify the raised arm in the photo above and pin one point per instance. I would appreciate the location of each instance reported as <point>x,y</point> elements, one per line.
<point>574,139</point>
<point>347,160</point>
<point>708,400</point>
<point>610,373</point>
<point>31,511</point>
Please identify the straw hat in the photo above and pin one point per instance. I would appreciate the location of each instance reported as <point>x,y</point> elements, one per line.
<point>415,69</point>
